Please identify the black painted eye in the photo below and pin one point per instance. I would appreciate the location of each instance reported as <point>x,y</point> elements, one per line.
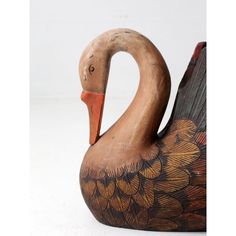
<point>91,69</point>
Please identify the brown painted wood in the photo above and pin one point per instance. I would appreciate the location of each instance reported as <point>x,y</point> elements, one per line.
<point>130,176</point>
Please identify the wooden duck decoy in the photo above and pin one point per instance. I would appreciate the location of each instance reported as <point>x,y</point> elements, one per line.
<point>132,176</point>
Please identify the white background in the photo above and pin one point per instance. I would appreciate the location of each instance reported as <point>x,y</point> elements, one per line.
<point>59,32</point>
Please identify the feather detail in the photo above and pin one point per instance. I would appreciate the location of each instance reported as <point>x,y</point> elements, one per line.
<point>151,171</point>
<point>200,138</point>
<point>168,207</point>
<point>145,196</point>
<point>119,172</point>
<point>128,185</point>
<point>106,191</point>
<point>120,202</point>
<point>137,220</point>
<point>176,179</point>
<point>169,140</point>
<point>88,187</point>
<point>191,96</point>
<point>198,167</point>
<point>194,192</point>
<point>180,129</point>
<point>114,218</point>
<point>184,128</point>
<point>181,154</point>
<point>98,203</point>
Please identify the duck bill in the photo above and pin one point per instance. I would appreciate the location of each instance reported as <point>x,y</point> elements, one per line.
<point>95,103</point>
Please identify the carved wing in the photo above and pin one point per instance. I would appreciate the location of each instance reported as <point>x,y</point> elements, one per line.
<point>167,193</point>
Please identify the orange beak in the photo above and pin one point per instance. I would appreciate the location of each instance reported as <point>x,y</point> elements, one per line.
<point>95,103</point>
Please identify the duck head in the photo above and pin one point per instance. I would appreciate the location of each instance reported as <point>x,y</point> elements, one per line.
<point>93,70</point>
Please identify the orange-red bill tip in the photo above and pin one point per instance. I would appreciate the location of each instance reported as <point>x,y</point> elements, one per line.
<point>95,103</point>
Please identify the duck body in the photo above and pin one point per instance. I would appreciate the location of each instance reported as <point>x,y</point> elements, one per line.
<point>132,176</point>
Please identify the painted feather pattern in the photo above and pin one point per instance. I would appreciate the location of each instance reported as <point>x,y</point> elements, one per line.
<point>167,193</point>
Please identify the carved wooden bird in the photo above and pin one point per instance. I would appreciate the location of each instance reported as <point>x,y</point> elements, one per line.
<point>132,176</point>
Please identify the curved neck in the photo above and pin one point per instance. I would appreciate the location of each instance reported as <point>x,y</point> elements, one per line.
<point>139,124</point>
